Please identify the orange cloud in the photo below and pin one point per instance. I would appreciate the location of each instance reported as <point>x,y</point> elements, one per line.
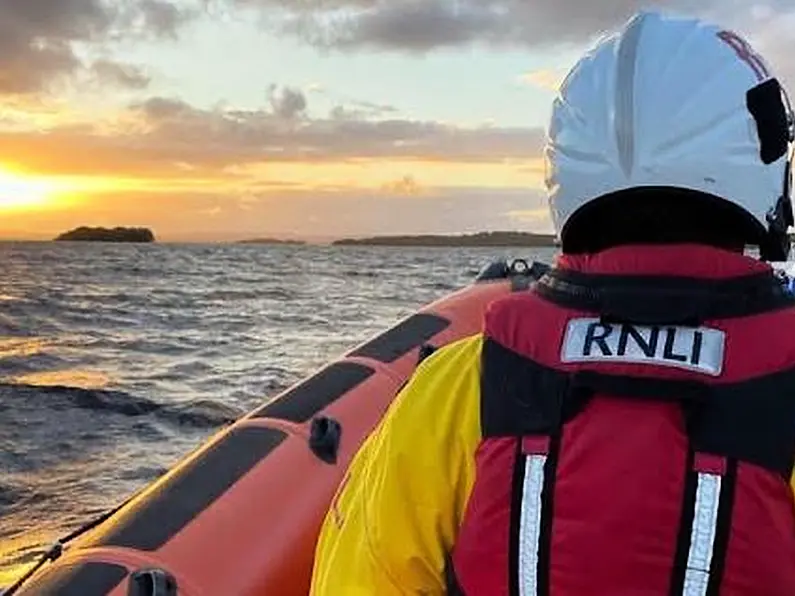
<point>163,133</point>
<point>164,145</point>
<point>79,166</point>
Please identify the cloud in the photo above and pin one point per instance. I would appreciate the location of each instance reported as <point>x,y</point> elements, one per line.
<point>419,26</point>
<point>163,136</point>
<point>361,110</point>
<point>425,24</point>
<point>162,18</point>
<point>38,37</point>
<point>127,76</point>
<point>350,107</point>
<point>375,108</point>
<point>287,103</point>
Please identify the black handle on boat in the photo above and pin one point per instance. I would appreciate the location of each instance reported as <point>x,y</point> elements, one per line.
<point>152,582</point>
<point>425,351</point>
<point>494,270</point>
<point>325,435</point>
<point>514,269</point>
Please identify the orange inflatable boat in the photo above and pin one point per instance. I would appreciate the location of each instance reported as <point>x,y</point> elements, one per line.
<point>241,514</point>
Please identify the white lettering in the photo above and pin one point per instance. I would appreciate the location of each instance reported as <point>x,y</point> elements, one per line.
<point>699,349</point>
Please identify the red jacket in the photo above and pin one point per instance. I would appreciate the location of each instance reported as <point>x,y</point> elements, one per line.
<point>629,406</point>
<point>638,422</point>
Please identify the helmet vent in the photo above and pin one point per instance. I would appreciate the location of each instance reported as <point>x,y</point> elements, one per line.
<point>625,94</point>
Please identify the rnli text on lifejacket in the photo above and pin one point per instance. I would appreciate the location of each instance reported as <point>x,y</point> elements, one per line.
<point>699,349</point>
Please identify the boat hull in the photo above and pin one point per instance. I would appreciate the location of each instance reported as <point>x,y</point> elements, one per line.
<point>241,514</point>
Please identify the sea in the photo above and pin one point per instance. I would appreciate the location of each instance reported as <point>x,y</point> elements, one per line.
<point>118,359</point>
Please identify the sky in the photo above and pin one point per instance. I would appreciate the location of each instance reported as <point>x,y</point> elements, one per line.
<point>213,120</point>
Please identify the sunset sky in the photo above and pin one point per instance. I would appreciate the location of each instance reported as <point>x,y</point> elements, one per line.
<point>226,119</point>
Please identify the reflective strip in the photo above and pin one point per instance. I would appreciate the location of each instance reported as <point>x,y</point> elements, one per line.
<point>530,524</point>
<point>702,537</point>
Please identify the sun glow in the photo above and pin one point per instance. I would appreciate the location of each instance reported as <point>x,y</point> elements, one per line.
<point>18,191</point>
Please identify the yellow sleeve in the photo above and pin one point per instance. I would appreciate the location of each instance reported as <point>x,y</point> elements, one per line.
<point>397,511</point>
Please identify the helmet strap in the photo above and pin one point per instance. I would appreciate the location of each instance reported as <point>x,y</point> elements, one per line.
<point>777,244</point>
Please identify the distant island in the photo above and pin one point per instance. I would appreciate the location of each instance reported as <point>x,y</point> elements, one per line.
<point>270,241</point>
<point>86,234</point>
<point>487,239</point>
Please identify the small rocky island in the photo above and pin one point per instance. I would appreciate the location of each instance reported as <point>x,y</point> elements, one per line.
<point>118,234</point>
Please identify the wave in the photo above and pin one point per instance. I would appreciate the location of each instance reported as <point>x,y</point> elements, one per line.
<point>204,414</point>
<point>371,273</point>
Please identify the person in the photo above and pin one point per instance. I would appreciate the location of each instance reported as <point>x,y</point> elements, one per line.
<point>625,425</point>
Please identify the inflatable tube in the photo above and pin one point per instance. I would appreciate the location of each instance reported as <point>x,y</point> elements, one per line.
<point>241,514</point>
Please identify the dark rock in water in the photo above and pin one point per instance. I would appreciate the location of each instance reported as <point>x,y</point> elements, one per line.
<point>86,234</point>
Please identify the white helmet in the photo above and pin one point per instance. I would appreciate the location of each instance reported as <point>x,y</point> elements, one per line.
<point>671,102</point>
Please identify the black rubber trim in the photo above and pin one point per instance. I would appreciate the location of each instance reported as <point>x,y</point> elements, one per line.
<point>87,579</point>
<point>403,337</point>
<point>723,529</point>
<point>194,489</point>
<point>301,403</point>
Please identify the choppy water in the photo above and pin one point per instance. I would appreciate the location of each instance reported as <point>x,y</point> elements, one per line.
<point>116,360</point>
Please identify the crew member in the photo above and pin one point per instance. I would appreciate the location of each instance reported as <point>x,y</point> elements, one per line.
<point>626,425</point>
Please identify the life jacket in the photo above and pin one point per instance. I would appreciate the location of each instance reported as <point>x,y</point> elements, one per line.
<point>638,432</point>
